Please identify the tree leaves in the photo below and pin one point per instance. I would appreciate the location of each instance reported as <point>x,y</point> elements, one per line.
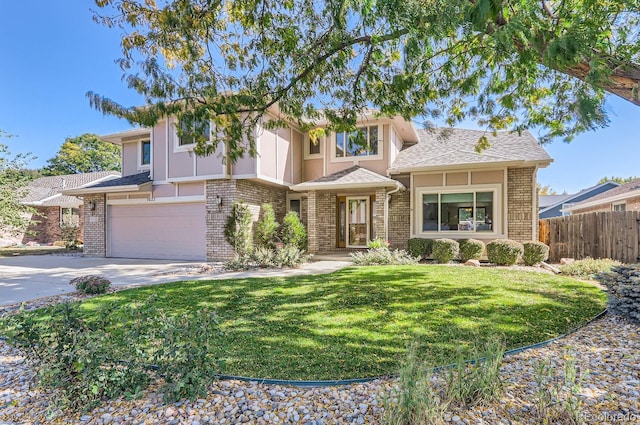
<point>84,154</point>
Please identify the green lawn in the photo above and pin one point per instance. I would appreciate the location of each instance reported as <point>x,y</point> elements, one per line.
<point>30,250</point>
<point>357,322</point>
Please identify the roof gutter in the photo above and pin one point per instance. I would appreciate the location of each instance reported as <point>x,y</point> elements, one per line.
<point>479,166</point>
<point>107,189</point>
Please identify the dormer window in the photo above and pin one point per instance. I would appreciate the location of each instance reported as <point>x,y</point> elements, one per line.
<point>362,142</point>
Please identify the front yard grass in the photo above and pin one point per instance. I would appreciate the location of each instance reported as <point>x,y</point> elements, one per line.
<point>358,322</point>
<point>30,250</point>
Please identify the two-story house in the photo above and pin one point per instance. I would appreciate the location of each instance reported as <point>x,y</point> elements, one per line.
<point>397,182</point>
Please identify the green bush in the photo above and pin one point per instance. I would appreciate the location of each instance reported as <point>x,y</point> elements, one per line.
<point>420,247</point>
<point>91,284</point>
<point>378,243</point>
<point>382,256</point>
<point>70,232</point>
<point>293,231</point>
<point>263,257</point>
<point>588,267</point>
<point>623,295</point>
<point>289,256</point>
<point>445,250</point>
<point>237,229</point>
<point>504,252</point>
<point>267,227</point>
<point>470,249</point>
<point>534,253</point>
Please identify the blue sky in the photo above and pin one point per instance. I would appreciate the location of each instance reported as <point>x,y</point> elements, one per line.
<point>52,53</point>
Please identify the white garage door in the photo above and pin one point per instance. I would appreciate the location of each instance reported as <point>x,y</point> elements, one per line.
<point>173,232</point>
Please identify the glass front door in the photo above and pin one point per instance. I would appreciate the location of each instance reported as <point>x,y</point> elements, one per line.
<point>357,222</point>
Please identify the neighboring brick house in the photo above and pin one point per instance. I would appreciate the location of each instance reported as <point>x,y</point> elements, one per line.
<point>53,208</point>
<point>555,205</point>
<point>625,197</point>
<point>392,181</point>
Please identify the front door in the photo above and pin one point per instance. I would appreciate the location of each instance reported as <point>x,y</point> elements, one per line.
<point>353,218</point>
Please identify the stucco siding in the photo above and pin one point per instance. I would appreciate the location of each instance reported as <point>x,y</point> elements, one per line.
<point>130,158</point>
<point>191,189</point>
<point>159,151</point>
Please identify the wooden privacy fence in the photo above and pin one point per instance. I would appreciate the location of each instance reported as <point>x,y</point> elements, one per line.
<point>612,234</point>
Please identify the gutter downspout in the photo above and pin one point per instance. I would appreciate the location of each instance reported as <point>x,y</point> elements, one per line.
<point>386,209</point>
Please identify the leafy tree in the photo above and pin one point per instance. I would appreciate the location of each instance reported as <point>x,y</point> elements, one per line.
<point>546,190</point>
<point>293,232</point>
<point>14,217</point>
<point>84,154</point>
<point>505,64</point>
<point>621,180</point>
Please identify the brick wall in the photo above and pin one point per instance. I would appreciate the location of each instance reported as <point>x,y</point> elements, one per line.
<point>633,204</point>
<point>312,223</point>
<point>252,193</point>
<point>399,216</point>
<point>595,208</point>
<point>326,221</point>
<point>521,203</point>
<point>44,227</point>
<point>94,226</point>
<point>378,225</point>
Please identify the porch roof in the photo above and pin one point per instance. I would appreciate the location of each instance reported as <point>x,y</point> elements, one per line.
<point>354,177</point>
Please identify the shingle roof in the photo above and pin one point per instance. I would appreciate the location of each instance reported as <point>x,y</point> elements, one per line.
<point>545,201</point>
<point>47,187</point>
<point>352,176</point>
<point>132,180</point>
<point>455,146</point>
<point>620,191</point>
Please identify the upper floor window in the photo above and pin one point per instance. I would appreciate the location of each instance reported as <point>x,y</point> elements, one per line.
<point>365,141</point>
<point>200,127</point>
<point>145,152</point>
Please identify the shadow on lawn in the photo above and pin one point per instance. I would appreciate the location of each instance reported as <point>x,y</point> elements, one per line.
<point>357,323</point>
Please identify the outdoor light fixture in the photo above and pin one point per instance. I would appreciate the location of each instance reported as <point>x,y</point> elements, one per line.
<point>219,202</point>
<point>92,205</point>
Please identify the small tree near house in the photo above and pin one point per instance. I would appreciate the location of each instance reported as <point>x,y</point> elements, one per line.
<point>293,231</point>
<point>237,230</point>
<point>267,227</point>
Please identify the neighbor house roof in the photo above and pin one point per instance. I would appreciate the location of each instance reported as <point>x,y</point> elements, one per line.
<point>564,201</point>
<point>47,191</point>
<point>446,147</point>
<point>351,178</point>
<point>620,193</point>
<point>135,182</point>
<point>545,201</point>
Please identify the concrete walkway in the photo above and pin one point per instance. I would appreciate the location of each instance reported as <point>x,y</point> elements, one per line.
<point>25,278</point>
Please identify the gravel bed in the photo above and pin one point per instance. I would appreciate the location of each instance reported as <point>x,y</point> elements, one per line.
<point>606,352</point>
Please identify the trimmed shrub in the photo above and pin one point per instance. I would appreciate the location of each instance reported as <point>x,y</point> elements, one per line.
<point>267,227</point>
<point>445,250</point>
<point>293,231</point>
<point>623,295</point>
<point>588,267</point>
<point>91,284</point>
<point>420,247</point>
<point>378,243</point>
<point>289,256</point>
<point>383,256</point>
<point>534,253</point>
<point>263,257</point>
<point>237,230</point>
<point>504,252</point>
<point>470,249</point>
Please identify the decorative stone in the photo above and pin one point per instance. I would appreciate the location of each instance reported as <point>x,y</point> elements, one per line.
<point>564,261</point>
<point>472,263</point>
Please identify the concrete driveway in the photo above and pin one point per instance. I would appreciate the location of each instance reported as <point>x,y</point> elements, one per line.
<point>29,277</point>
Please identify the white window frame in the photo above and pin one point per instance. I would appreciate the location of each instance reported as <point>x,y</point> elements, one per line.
<point>177,147</point>
<point>334,140</point>
<point>142,166</point>
<point>367,200</point>
<point>68,208</point>
<point>307,147</point>
<point>618,204</point>
<point>498,222</point>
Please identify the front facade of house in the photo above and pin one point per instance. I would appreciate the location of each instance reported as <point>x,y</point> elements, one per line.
<point>624,197</point>
<point>395,182</point>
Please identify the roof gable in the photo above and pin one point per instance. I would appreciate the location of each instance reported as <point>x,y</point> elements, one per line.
<point>42,190</point>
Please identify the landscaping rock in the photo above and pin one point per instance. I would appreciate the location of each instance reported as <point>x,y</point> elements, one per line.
<point>472,263</point>
<point>550,268</point>
<point>564,261</point>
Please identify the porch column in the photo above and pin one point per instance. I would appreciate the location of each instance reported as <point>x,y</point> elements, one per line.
<point>312,223</point>
<point>380,223</point>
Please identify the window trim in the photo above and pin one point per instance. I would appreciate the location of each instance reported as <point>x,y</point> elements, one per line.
<point>142,166</point>
<point>307,147</point>
<point>378,156</point>
<point>617,204</point>
<point>177,147</point>
<point>498,222</point>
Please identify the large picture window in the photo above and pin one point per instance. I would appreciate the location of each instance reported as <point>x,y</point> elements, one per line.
<point>468,211</point>
<point>364,141</point>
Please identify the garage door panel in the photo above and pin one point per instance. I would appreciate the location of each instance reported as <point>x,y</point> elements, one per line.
<point>176,231</point>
